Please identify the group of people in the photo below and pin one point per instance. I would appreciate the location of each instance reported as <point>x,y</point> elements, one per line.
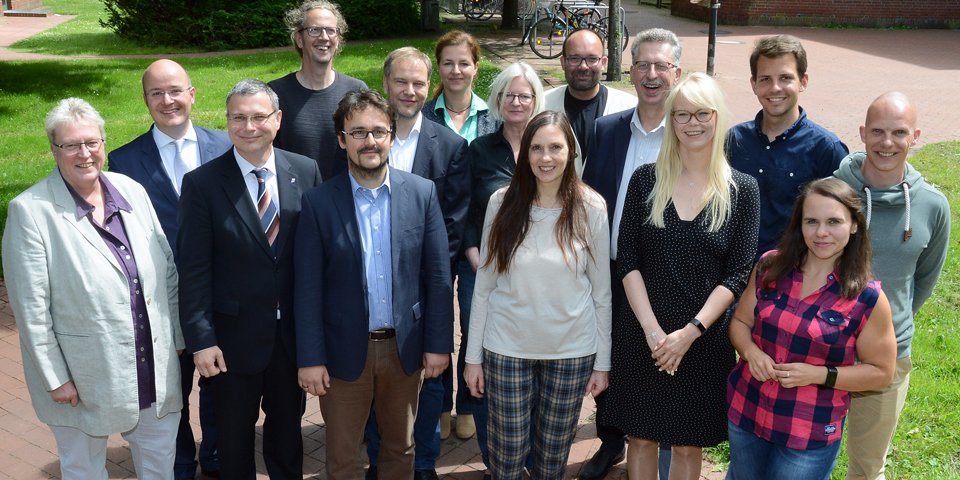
<point>629,247</point>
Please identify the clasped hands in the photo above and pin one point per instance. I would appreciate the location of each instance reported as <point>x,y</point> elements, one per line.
<point>790,375</point>
<point>668,350</point>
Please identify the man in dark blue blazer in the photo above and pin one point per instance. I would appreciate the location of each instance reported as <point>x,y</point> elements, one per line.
<point>621,143</point>
<point>373,296</point>
<point>434,152</point>
<point>238,217</point>
<point>158,159</point>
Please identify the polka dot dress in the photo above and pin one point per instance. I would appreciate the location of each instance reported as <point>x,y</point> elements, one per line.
<point>681,265</point>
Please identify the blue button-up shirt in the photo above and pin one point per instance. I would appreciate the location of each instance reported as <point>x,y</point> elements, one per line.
<point>114,236</point>
<point>804,152</point>
<point>372,208</point>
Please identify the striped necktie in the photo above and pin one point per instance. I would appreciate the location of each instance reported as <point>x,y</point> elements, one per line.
<point>266,207</point>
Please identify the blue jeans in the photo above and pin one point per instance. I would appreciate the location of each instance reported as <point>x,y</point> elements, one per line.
<point>753,458</point>
<point>185,462</point>
<point>426,428</point>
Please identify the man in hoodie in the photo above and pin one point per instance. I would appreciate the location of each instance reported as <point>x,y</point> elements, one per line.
<point>909,224</point>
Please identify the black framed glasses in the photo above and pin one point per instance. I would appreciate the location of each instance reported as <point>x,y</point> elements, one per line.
<point>577,60</point>
<point>332,32</point>
<point>361,134</point>
<point>683,117</point>
<point>523,98</point>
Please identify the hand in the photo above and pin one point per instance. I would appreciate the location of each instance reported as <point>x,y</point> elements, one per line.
<point>655,339</point>
<point>473,376</point>
<point>473,256</point>
<point>314,380</point>
<point>66,393</point>
<point>434,364</point>
<point>599,381</point>
<point>209,361</point>
<point>761,366</point>
<point>671,349</point>
<point>792,375</point>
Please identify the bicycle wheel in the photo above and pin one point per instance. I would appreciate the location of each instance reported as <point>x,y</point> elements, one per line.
<point>602,29</point>
<point>584,17</point>
<point>479,9</point>
<point>546,37</point>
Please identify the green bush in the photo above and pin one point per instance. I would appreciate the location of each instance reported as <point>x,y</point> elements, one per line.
<point>234,24</point>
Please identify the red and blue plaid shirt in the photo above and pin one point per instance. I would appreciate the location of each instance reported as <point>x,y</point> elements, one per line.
<point>821,329</point>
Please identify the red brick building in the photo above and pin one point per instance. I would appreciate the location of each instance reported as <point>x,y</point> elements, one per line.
<point>860,13</point>
<point>20,4</point>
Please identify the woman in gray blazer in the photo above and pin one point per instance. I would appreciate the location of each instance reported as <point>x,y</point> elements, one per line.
<point>93,287</point>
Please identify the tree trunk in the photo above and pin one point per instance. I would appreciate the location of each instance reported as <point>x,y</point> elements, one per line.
<point>614,39</point>
<point>509,20</point>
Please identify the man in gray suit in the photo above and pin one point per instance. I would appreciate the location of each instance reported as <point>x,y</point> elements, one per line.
<point>158,160</point>
<point>93,288</point>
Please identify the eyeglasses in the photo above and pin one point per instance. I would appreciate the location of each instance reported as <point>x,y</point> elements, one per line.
<point>74,148</point>
<point>331,32</point>
<point>683,117</point>
<point>174,94</point>
<point>660,66</point>
<point>577,60</point>
<point>257,119</point>
<point>523,98</point>
<point>361,134</point>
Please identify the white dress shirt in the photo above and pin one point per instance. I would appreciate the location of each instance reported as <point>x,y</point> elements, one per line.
<point>250,179</point>
<point>644,148</point>
<point>189,152</point>
<point>403,151</point>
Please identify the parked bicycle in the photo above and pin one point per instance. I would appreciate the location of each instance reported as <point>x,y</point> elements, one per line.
<point>480,9</point>
<point>546,33</point>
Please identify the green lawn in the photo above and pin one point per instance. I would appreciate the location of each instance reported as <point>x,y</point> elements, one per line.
<point>928,440</point>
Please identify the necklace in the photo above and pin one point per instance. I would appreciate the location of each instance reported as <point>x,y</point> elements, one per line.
<point>457,111</point>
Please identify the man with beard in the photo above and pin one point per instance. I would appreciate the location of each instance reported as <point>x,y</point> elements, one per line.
<point>436,153</point>
<point>584,99</point>
<point>309,96</point>
<point>373,293</point>
<point>624,142</point>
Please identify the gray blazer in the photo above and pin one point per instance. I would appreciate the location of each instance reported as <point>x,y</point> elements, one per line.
<point>72,307</point>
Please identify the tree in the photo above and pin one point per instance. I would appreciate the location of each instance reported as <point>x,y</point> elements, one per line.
<point>509,20</point>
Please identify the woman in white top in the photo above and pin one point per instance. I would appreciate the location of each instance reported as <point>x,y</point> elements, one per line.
<point>540,326</point>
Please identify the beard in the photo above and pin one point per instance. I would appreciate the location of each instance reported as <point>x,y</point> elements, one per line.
<point>365,172</point>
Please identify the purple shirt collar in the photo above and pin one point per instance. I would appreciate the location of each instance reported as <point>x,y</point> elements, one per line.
<point>112,199</point>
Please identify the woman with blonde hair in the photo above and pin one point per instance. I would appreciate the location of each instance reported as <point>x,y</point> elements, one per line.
<point>687,239</point>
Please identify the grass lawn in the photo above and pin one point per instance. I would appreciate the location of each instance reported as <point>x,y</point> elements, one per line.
<point>927,445</point>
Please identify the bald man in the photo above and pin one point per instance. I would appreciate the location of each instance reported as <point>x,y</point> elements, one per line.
<point>158,159</point>
<point>909,225</point>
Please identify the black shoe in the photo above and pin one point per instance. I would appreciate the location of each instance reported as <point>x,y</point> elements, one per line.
<point>371,473</point>
<point>601,462</point>
<point>425,475</point>
<point>205,474</point>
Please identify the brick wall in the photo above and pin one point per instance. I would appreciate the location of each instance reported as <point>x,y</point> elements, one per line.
<point>24,4</point>
<point>864,13</point>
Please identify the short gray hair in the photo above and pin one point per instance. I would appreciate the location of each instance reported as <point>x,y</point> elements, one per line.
<point>657,35</point>
<point>502,81</point>
<point>404,53</point>
<point>250,86</point>
<point>295,18</point>
<point>73,110</point>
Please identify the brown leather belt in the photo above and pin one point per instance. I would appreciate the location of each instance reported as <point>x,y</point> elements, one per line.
<point>382,334</point>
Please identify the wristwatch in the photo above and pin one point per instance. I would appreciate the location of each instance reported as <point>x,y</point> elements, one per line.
<point>831,377</point>
<point>696,323</point>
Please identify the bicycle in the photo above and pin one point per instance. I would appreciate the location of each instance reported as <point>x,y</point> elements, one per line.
<point>480,9</point>
<point>545,35</point>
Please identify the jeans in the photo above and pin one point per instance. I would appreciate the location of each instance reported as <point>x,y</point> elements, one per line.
<point>426,428</point>
<point>753,458</point>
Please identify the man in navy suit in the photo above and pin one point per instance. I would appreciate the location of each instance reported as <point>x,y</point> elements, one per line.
<point>373,298</point>
<point>238,217</point>
<point>622,142</point>
<point>158,160</point>
<point>436,153</point>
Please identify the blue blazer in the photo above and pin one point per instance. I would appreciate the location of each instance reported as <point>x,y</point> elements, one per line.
<point>441,157</point>
<point>603,170</point>
<point>330,301</point>
<point>140,160</point>
<point>231,280</point>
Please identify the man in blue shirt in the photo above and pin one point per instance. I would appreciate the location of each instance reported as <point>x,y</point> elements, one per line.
<point>781,147</point>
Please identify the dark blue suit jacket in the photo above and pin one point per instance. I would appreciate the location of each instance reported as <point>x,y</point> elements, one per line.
<point>603,170</point>
<point>231,280</point>
<point>441,157</point>
<point>330,301</point>
<point>140,160</point>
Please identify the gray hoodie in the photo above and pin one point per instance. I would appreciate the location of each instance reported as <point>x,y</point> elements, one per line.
<point>909,227</point>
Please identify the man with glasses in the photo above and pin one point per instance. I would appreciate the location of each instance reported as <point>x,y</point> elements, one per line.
<point>436,153</point>
<point>584,99</point>
<point>624,141</point>
<point>238,215</point>
<point>310,95</point>
<point>374,300</point>
<point>781,147</point>
<point>158,160</point>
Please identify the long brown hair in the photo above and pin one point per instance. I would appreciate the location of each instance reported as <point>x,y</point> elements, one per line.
<point>853,266</point>
<point>512,222</point>
<point>452,39</point>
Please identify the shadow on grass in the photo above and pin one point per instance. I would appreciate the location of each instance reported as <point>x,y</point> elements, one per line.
<point>48,81</point>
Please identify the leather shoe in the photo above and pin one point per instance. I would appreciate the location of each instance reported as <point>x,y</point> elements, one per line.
<point>601,462</point>
<point>209,473</point>
<point>466,427</point>
<point>371,473</point>
<point>425,475</point>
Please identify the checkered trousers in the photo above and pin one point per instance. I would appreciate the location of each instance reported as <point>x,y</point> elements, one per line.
<point>821,329</point>
<point>542,395</point>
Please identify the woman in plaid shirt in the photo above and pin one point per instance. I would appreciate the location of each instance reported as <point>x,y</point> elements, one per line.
<point>810,311</point>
